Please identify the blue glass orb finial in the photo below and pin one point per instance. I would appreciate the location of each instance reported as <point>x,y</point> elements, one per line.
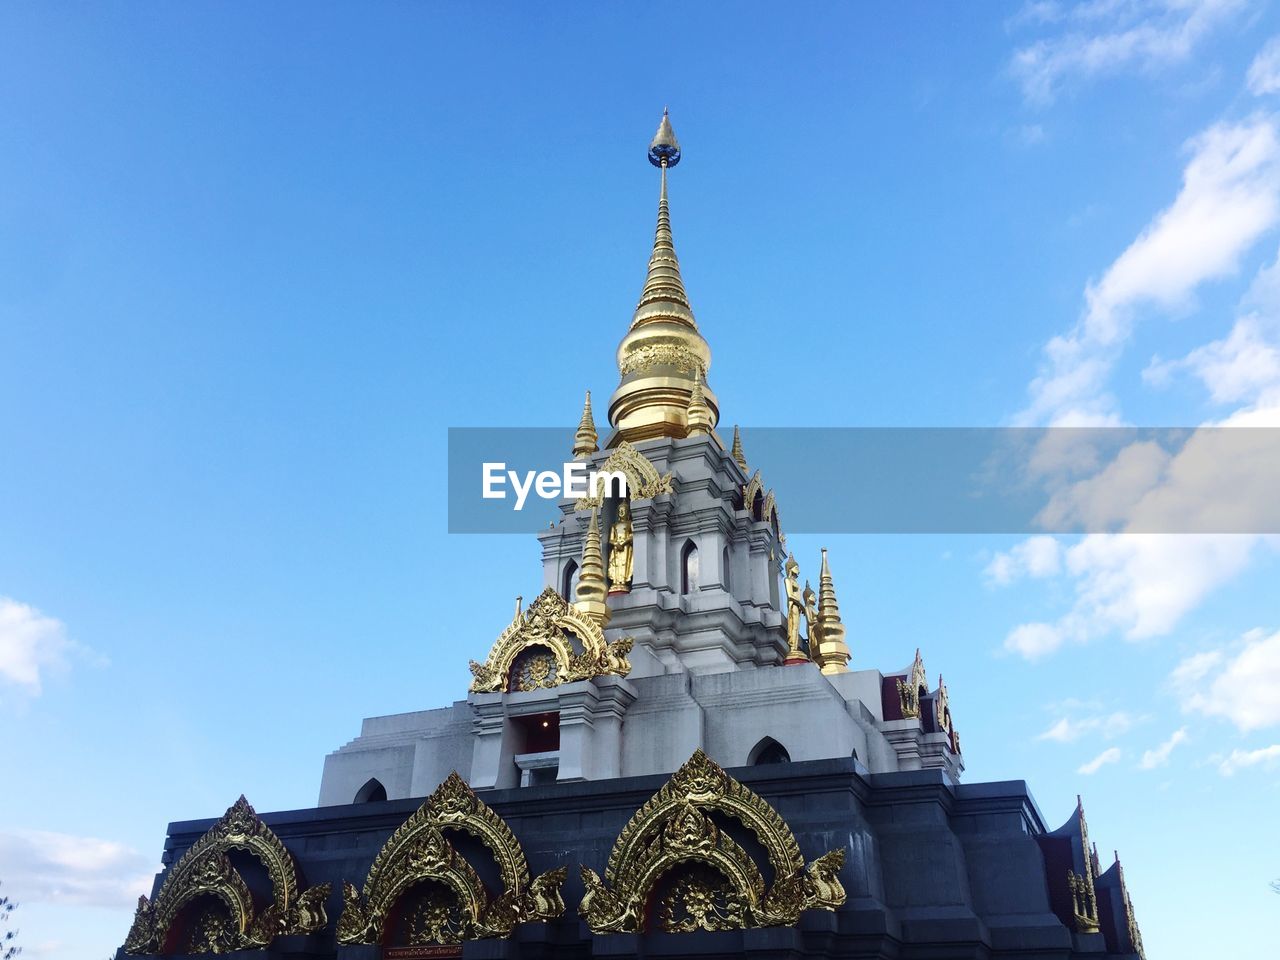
<point>664,149</point>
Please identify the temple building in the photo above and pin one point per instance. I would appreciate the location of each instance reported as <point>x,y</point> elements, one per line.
<point>634,770</point>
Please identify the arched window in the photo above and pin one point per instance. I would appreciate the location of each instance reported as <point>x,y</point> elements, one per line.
<point>569,582</point>
<point>689,568</point>
<point>724,568</point>
<point>768,750</point>
<point>371,791</point>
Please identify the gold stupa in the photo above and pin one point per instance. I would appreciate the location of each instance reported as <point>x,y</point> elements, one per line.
<point>663,355</point>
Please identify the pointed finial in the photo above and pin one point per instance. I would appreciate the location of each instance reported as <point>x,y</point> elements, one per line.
<point>834,651</point>
<point>664,148</point>
<point>585,440</point>
<point>698,414</point>
<point>519,601</point>
<point>739,457</point>
<point>590,596</point>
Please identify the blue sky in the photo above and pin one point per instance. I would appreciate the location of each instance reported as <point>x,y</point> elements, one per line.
<point>254,262</point>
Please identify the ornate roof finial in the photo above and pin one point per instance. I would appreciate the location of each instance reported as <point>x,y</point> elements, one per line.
<point>589,599</point>
<point>739,457</point>
<point>663,353</point>
<point>834,652</point>
<point>584,441</point>
<point>698,414</point>
<point>664,148</point>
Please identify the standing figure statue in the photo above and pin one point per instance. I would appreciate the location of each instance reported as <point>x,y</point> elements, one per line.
<point>811,620</point>
<point>795,609</point>
<point>621,550</point>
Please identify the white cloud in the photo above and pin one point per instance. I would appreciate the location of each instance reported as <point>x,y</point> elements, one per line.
<point>31,644</point>
<point>1139,584</point>
<point>1264,72</point>
<point>1106,36</point>
<point>1239,759</point>
<point>45,867</point>
<point>1239,368</point>
<point>1110,755</point>
<point>1034,640</point>
<point>1068,730</point>
<point>1160,755</point>
<point>1243,688</point>
<point>1033,557</point>
<point>1230,197</point>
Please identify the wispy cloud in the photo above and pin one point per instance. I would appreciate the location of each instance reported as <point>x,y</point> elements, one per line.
<point>1068,729</point>
<point>1230,197</point>
<point>1110,755</point>
<point>46,867</point>
<point>1268,757</point>
<point>1087,40</point>
<point>1034,557</point>
<point>31,646</point>
<point>1241,685</point>
<point>1159,756</point>
<point>1264,72</point>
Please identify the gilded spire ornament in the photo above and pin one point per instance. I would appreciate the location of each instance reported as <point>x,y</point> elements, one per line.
<point>698,414</point>
<point>833,652</point>
<point>585,440</point>
<point>663,354</point>
<point>589,599</point>
<point>738,456</point>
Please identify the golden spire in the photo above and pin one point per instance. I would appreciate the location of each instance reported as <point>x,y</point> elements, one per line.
<point>698,414</point>
<point>833,651</point>
<point>663,354</point>
<point>738,455</point>
<point>584,441</point>
<point>590,596</point>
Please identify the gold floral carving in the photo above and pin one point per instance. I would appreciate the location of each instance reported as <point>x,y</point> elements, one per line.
<point>754,488</point>
<point>551,626</point>
<point>652,355</point>
<point>1084,899</point>
<point>769,512</point>
<point>711,882</point>
<point>222,914</point>
<point>909,689</point>
<point>643,479</point>
<point>458,907</point>
<point>1131,922</point>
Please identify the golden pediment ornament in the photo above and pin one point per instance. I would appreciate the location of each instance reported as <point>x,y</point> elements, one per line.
<point>420,877</point>
<point>643,479</point>
<point>204,904</point>
<point>909,689</point>
<point>547,645</point>
<point>673,855</point>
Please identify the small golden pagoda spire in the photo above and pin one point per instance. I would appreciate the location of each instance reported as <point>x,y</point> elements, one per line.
<point>739,457</point>
<point>590,596</point>
<point>584,441</point>
<point>833,652</point>
<point>663,354</point>
<point>698,414</point>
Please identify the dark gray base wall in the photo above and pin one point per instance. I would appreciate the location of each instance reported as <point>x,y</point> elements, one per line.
<point>932,870</point>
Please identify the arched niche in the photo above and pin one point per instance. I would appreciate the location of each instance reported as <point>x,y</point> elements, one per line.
<point>371,792</point>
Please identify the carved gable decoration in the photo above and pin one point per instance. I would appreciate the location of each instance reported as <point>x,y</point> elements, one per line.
<point>422,891</point>
<point>672,855</point>
<point>643,479</point>
<point>205,906</point>
<point>546,645</point>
